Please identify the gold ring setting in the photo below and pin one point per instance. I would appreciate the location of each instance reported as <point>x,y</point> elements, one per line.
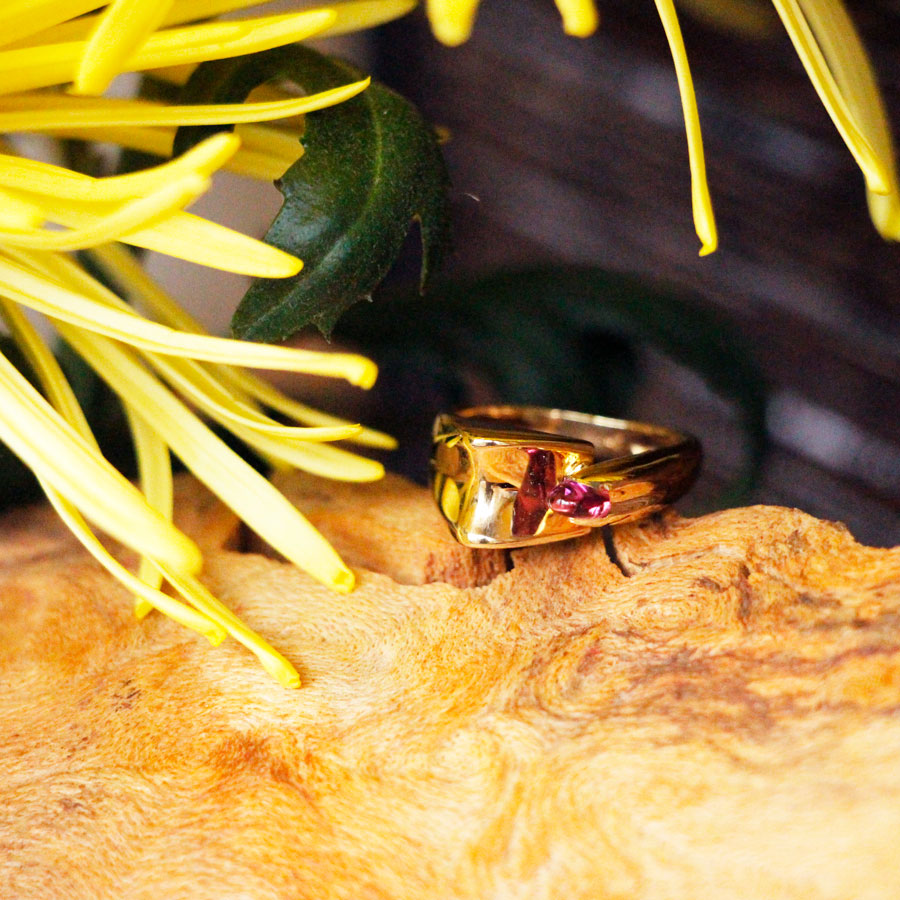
<point>511,476</point>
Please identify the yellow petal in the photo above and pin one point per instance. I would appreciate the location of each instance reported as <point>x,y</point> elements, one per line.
<point>18,212</point>
<point>853,73</point>
<point>45,366</point>
<point>196,594</point>
<point>274,142</point>
<point>359,15</point>
<point>228,476</point>
<point>192,381</point>
<point>44,65</point>
<point>189,237</point>
<point>135,214</point>
<point>846,119</point>
<point>258,163</point>
<point>121,29</point>
<point>44,178</point>
<point>318,459</point>
<point>115,319</point>
<point>184,615</point>
<point>704,220</point>
<point>580,17</point>
<point>155,474</point>
<point>452,20</point>
<point>69,28</point>
<point>270,396</point>
<point>60,394</point>
<point>354,15</point>
<point>43,111</point>
<point>124,269</point>
<point>21,18</point>
<point>47,444</point>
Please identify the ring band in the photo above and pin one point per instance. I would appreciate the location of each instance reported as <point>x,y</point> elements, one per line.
<point>510,476</point>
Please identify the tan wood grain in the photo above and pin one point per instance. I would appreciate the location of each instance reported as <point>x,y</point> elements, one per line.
<point>363,521</point>
<point>714,712</point>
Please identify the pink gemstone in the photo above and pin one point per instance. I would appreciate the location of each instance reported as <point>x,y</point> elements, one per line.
<point>578,500</point>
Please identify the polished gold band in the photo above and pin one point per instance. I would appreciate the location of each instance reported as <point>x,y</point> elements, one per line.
<point>509,476</point>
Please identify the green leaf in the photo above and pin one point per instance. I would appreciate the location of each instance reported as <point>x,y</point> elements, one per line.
<point>371,165</point>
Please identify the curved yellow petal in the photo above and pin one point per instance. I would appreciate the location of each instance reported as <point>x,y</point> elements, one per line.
<point>228,476</point>
<point>318,459</point>
<point>47,444</point>
<point>45,366</point>
<point>268,395</point>
<point>580,17</point>
<point>350,15</point>
<point>192,381</point>
<point>121,29</point>
<point>144,212</point>
<point>62,29</point>
<point>44,178</point>
<point>43,65</point>
<point>58,301</point>
<point>266,162</point>
<point>357,15</point>
<point>186,236</point>
<point>704,220</point>
<point>18,212</point>
<point>60,394</point>
<point>155,476</point>
<point>852,70</point>
<point>452,20</point>
<point>846,119</point>
<point>124,269</point>
<point>198,596</point>
<point>22,18</point>
<point>213,631</point>
<point>42,111</point>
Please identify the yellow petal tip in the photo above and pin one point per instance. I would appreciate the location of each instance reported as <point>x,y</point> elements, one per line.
<point>365,374</point>
<point>287,267</point>
<point>280,669</point>
<point>343,581</point>
<point>142,608</point>
<point>451,31</point>
<point>215,636</point>
<point>582,25</point>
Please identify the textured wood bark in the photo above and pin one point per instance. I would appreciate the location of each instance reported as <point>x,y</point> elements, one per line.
<point>704,708</point>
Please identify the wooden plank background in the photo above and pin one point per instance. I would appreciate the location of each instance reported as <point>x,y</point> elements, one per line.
<point>575,152</point>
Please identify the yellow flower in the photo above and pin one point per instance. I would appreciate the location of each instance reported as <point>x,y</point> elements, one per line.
<point>165,369</point>
<point>830,50</point>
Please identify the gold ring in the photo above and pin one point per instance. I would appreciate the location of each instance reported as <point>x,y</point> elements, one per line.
<point>509,476</point>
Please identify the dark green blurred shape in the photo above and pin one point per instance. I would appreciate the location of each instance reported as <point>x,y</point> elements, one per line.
<point>549,337</point>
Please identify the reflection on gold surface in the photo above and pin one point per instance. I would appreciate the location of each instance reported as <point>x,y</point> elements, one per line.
<point>493,467</point>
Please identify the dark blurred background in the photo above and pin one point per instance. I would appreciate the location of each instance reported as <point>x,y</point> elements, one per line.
<point>570,152</point>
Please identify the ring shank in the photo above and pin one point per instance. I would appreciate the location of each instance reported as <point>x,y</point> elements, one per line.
<point>610,437</point>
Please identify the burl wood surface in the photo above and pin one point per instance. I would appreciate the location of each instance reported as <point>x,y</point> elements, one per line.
<point>714,712</point>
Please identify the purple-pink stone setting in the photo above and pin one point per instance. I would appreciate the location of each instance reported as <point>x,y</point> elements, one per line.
<point>578,500</point>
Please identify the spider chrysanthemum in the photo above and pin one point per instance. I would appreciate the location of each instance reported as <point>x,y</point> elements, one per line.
<point>57,57</point>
